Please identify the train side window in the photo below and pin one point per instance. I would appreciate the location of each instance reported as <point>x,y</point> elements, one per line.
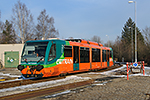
<point>87,55</point>
<point>108,55</point>
<point>67,51</point>
<point>84,55</point>
<point>52,54</point>
<point>95,55</point>
<point>104,55</point>
<point>100,55</point>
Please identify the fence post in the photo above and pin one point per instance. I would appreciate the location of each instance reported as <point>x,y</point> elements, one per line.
<point>143,69</point>
<point>127,72</point>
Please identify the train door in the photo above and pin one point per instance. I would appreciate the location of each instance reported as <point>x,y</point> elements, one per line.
<point>104,58</point>
<point>75,58</point>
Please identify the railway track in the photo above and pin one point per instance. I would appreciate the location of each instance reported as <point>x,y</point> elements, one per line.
<point>109,68</point>
<point>46,91</point>
<point>25,82</point>
<point>49,91</point>
<point>29,81</point>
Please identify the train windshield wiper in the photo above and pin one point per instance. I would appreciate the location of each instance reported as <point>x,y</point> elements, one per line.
<point>40,59</point>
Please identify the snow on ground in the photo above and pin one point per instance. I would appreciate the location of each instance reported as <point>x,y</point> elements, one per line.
<point>9,75</point>
<point>57,94</point>
<point>110,73</point>
<point>69,79</point>
<point>45,84</point>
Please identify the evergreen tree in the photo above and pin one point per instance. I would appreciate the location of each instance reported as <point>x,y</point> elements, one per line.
<point>126,39</point>
<point>8,35</point>
<point>126,34</point>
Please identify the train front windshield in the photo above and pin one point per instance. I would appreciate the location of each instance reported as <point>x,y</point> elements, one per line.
<point>34,51</point>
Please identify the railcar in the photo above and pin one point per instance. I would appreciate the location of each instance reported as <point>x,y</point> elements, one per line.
<point>54,57</point>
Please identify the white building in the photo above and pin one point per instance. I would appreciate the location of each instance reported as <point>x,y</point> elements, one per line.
<point>10,54</point>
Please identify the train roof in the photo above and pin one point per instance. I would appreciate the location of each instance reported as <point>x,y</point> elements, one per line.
<point>91,43</point>
<point>50,39</point>
<point>75,41</point>
<point>84,41</point>
<point>72,40</point>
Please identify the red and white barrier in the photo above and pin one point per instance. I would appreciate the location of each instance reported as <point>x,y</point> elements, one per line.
<point>128,68</point>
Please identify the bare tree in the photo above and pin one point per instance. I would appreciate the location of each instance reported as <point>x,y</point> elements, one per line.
<point>45,27</point>
<point>1,24</point>
<point>23,22</point>
<point>117,49</point>
<point>96,39</point>
<point>146,33</point>
<point>1,30</point>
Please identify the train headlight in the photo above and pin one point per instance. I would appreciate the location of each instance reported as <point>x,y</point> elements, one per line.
<point>20,67</point>
<point>39,67</point>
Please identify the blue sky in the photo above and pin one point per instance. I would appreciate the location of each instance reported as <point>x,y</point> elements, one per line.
<point>85,18</point>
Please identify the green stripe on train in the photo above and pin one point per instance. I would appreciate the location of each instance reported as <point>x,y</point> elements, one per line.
<point>67,43</point>
<point>55,63</point>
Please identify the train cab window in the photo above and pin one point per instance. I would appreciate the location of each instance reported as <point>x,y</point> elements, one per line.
<point>95,55</point>
<point>84,55</point>
<point>34,51</point>
<point>67,51</point>
<point>52,54</point>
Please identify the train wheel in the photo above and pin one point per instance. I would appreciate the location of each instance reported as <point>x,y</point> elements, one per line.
<point>65,74</point>
<point>60,75</point>
<point>95,70</point>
